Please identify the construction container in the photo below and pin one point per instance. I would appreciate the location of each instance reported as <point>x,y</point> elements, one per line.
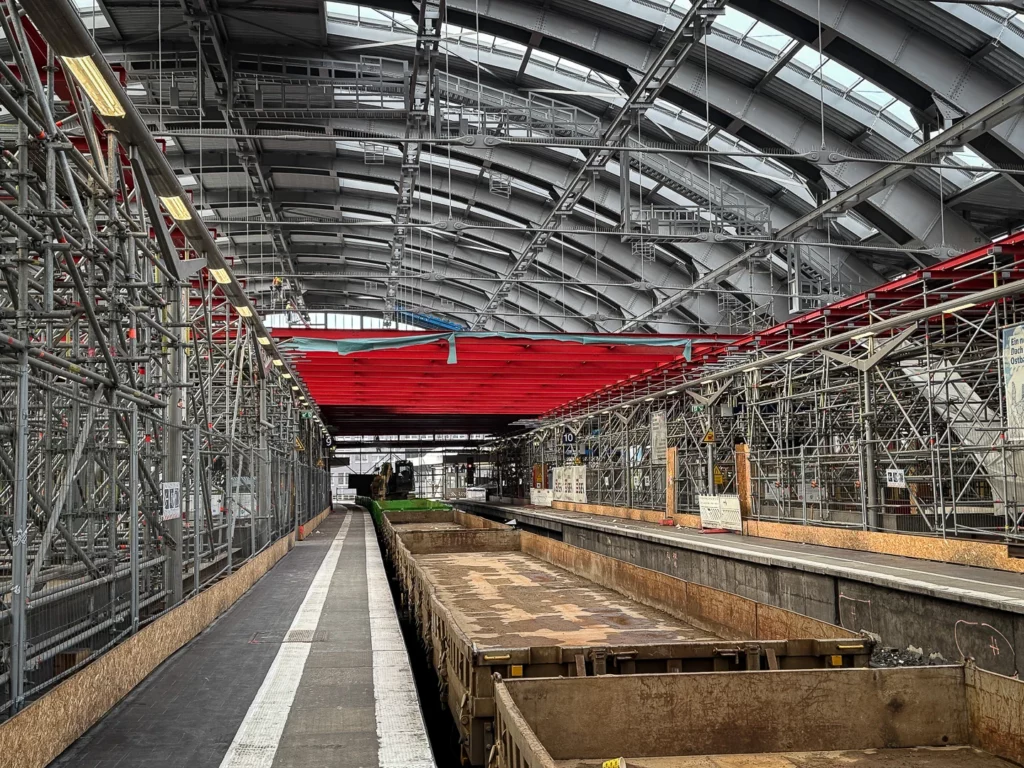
<point>489,600</point>
<point>923,717</point>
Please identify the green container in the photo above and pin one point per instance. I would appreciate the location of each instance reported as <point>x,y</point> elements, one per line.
<point>378,508</point>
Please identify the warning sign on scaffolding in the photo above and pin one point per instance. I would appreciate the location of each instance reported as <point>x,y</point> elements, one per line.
<point>895,478</point>
<point>659,437</point>
<point>709,436</point>
<point>171,493</point>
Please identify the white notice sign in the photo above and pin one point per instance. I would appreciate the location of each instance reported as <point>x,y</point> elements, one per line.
<point>659,437</point>
<point>721,512</point>
<point>895,478</point>
<point>171,493</point>
<point>1013,377</point>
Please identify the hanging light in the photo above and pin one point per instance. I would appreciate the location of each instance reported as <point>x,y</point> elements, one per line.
<point>220,275</point>
<point>265,341</point>
<point>175,206</point>
<point>278,362</point>
<point>242,310</point>
<point>89,77</point>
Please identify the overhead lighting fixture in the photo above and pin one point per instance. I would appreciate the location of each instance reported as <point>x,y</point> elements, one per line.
<point>278,362</point>
<point>243,311</point>
<point>177,208</point>
<point>220,275</point>
<point>295,387</point>
<point>91,79</point>
<point>286,375</point>
<point>264,340</point>
<point>960,307</point>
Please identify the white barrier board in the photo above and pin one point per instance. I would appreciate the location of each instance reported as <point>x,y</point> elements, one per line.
<point>721,511</point>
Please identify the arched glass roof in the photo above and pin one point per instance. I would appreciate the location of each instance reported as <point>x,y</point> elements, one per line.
<point>753,187</point>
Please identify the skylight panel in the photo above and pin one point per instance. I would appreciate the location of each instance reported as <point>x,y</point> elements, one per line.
<point>343,10</point>
<point>809,57</point>
<point>839,73</point>
<point>902,112</point>
<point>769,36</point>
<point>872,93</point>
<point>91,14</point>
<point>572,66</point>
<point>544,56</point>
<point>366,186</point>
<point>735,21</point>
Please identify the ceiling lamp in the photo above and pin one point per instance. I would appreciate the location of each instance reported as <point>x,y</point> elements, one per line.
<point>177,208</point>
<point>220,275</point>
<point>89,77</point>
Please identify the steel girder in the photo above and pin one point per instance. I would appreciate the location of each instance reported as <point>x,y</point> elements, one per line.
<point>201,14</point>
<point>464,188</point>
<point>544,171</point>
<point>906,203</point>
<point>568,263</point>
<point>548,27</point>
<point>927,73</point>
<point>682,176</point>
<point>422,113</point>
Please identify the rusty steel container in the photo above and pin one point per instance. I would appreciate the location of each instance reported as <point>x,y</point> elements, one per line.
<point>907,717</point>
<point>486,598</point>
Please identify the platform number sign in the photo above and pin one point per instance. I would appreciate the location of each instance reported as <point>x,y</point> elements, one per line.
<point>895,478</point>
<point>569,443</point>
<point>171,493</point>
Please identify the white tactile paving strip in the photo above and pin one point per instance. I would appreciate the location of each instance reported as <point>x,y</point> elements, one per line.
<point>401,734</point>
<point>257,738</point>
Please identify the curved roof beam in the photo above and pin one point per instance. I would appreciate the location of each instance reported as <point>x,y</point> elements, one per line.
<point>845,269</point>
<point>906,208</point>
<point>856,272</point>
<point>568,264</point>
<point>525,209</point>
<point>912,64</point>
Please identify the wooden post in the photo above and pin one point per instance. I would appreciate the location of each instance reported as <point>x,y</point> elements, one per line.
<point>670,482</point>
<point>743,483</point>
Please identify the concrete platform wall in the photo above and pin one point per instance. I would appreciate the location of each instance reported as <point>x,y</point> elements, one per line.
<point>954,629</point>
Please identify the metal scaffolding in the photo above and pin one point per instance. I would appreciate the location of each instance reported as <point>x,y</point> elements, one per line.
<point>887,411</point>
<point>149,443</point>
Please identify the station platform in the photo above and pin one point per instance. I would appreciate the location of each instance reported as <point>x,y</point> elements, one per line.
<point>937,606</point>
<point>308,669</point>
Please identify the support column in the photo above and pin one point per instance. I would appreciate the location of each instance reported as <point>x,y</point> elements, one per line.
<point>19,596</point>
<point>744,481</point>
<point>671,465</point>
<point>133,515</point>
<point>869,456</point>
<point>197,504</point>
<point>173,458</point>
<point>264,504</point>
